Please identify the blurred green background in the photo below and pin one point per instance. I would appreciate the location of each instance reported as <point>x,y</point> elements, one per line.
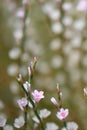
<point>58,38</point>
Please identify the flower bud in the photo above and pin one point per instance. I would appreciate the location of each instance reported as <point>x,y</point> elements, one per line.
<point>20,80</point>
<point>85,92</point>
<point>58,89</point>
<point>53,100</point>
<point>27,86</point>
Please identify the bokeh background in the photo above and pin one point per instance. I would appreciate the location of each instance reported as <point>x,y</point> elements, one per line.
<point>56,32</point>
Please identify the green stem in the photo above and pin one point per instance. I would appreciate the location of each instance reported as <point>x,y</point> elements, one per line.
<point>25,117</point>
<point>36,113</point>
<point>30,79</point>
<point>65,125</point>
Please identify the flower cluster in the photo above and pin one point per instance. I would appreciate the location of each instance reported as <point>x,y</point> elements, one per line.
<point>62,113</point>
<point>31,99</point>
<point>30,102</point>
<point>61,27</point>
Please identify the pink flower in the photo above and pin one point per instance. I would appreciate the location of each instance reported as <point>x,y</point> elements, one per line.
<point>62,114</point>
<point>22,103</point>
<point>37,95</point>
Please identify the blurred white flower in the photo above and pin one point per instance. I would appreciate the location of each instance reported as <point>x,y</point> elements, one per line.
<point>33,47</point>
<point>30,105</point>
<point>14,87</point>
<point>73,59</point>
<point>7,127</point>
<point>55,15</point>
<point>2,121</point>
<point>56,62</point>
<point>48,8</point>
<point>20,13</point>
<point>63,128</point>
<point>44,113</point>
<point>45,66</point>
<point>57,28</point>
<point>79,24</point>
<point>76,41</point>
<point>1,104</point>
<point>68,33</point>
<point>67,6</point>
<point>19,122</point>
<point>25,57</point>
<point>51,126</point>
<point>13,69</point>
<point>67,20</point>
<point>24,2</point>
<point>72,126</point>
<point>55,44</point>
<point>35,119</point>
<point>18,34</point>
<point>14,53</point>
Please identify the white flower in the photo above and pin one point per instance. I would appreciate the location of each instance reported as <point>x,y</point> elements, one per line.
<point>12,69</point>
<point>24,2</point>
<point>14,53</point>
<point>51,126</point>
<point>72,126</point>
<point>55,44</point>
<point>34,118</point>
<point>63,128</point>
<point>44,113</point>
<point>2,121</point>
<point>19,122</point>
<point>56,62</point>
<point>57,28</point>
<point>67,6</point>
<point>55,15</point>
<point>8,127</point>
